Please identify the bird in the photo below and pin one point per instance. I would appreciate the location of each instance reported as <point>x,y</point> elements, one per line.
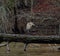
<point>29,26</point>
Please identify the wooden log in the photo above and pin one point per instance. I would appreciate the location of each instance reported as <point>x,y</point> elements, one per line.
<point>29,38</point>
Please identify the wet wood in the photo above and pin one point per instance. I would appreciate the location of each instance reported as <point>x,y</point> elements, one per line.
<point>29,38</point>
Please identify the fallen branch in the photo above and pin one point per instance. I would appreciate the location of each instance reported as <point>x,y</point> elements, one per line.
<point>29,38</point>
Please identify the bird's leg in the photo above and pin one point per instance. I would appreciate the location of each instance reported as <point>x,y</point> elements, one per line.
<point>8,49</point>
<point>25,46</point>
<point>7,45</point>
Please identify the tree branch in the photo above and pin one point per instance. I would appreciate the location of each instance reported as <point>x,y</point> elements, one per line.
<point>29,38</point>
